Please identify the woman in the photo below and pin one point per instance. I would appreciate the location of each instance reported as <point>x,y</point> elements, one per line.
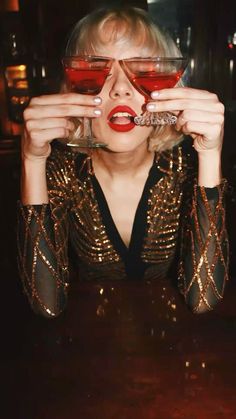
<point>131,209</point>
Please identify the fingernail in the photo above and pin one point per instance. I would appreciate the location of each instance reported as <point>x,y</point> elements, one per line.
<point>155,94</point>
<point>97,112</point>
<point>97,100</point>
<point>151,107</point>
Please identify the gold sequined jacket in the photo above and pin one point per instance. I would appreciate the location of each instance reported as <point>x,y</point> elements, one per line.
<point>178,226</point>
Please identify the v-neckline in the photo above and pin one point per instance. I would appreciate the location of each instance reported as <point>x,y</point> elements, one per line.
<point>140,219</point>
<point>131,256</point>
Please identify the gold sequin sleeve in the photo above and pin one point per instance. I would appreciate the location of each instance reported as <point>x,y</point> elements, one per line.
<point>204,249</point>
<point>43,243</point>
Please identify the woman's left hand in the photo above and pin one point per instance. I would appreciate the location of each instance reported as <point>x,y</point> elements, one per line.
<point>199,113</point>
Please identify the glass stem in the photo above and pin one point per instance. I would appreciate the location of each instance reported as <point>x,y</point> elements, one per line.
<point>87,129</point>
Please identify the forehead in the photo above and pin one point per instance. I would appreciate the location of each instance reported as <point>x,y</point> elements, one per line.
<point>118,52</point>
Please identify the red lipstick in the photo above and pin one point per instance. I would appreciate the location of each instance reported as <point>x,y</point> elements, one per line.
<point>121,119</point>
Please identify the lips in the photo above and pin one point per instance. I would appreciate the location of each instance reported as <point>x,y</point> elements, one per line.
<point>121,119</point>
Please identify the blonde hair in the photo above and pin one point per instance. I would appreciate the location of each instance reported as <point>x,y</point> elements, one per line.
<point>126,26</point>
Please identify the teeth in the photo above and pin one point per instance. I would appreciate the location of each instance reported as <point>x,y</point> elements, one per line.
<point>120,114</point>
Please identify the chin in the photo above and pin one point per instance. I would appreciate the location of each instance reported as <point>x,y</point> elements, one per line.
<point>118,142</point>
<point>120,149</point>
<point>119,145</point>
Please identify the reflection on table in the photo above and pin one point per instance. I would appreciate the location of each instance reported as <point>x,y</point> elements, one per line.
<point>123,350</point>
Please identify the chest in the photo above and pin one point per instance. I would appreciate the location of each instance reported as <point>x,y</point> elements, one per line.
<point>127,228</point>
<point>123,201</point>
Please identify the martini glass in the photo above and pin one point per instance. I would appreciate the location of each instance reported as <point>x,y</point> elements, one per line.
<point>85,74</point>
<point>154,73</point>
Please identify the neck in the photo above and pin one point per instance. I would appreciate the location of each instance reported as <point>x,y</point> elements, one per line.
<point>125,164</point>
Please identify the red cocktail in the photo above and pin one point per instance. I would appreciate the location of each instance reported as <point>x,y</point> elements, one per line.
<point>154,73</point>
<point>86,81</point>
<point>86,74</point>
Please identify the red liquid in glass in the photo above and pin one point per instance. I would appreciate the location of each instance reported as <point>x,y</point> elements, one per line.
<point>147,82</point>
<point>86,81</point>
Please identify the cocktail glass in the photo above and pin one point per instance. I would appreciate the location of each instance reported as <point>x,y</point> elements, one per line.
<point>85,74</point>
<point>154,73</point>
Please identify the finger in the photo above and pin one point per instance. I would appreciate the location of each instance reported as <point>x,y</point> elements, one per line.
<point>42,136</point>
<point>182,93</point>
<point>184,104</point>
<point>198,116</point>
<point>49,123</point>
<point>66,98</point>
<point>60,111</point>
<point>209,131</point>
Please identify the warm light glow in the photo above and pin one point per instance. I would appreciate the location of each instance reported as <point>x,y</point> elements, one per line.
<point>234,38</point>
<point>231,67</point>
<point>9,5</point>
<point>192,64</point>
<point>13,4</point>
<point>16,76</point>
<point>43,71</point>
<point>21,84</point>
<point>20,100</point>
<point>189,31</point>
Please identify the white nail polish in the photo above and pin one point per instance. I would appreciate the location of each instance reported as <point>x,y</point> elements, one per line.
<point>97,100</point>
<point>97,112</point>
<point>155,94</point>
<point>151,107</point>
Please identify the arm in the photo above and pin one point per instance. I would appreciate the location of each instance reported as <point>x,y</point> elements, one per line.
<point>42,242</point>
<point>206,253</point>
<point>46,200</point>
<point>204,260</point>
<point>204,249</point>
<point>42,263</point>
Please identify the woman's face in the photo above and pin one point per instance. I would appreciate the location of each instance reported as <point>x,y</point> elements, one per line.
<point>119,99</point>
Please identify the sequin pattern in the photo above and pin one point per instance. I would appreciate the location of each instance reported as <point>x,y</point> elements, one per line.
<point>205,243</point>
<point>73,214</point>
<point>164,213</point>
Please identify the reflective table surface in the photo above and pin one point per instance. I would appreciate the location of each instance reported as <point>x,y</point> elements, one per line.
<point>121,350</point>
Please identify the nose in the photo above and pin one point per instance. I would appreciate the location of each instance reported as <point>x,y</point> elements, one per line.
<point>121,86</point>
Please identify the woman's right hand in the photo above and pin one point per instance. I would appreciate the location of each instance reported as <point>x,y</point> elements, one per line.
<point>48,117</point>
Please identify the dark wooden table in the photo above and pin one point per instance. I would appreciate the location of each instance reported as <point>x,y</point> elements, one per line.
<point>123,351</point>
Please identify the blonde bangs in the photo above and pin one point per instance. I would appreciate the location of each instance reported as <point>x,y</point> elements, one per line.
<point>123,32</point>
<point>125,28</point>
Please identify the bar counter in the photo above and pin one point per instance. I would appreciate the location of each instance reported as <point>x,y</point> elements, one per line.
<point>121,350</point>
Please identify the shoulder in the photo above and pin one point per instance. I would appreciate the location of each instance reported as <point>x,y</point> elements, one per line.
<point>188,152</point>
<point>64,164</point>
<point>60,154</point>
<point>60,163</point>
<point>179,159</point>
